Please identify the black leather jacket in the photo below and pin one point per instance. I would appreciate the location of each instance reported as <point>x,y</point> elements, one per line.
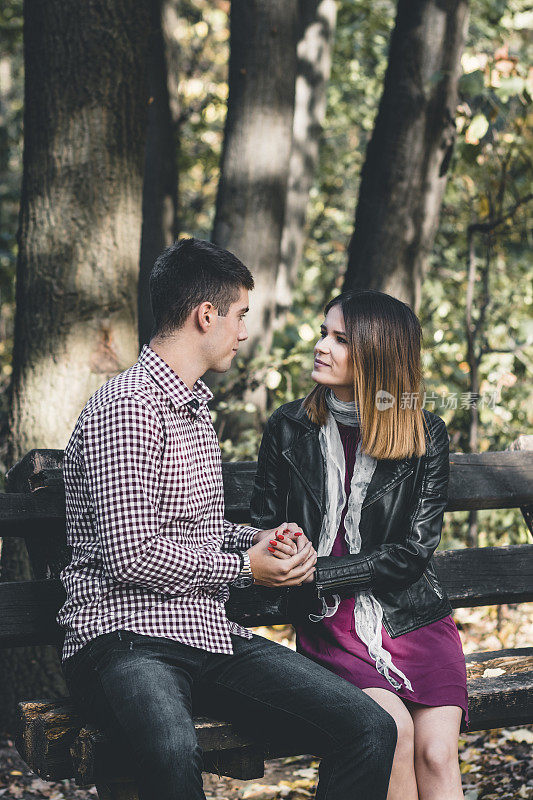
<point>401,520</point>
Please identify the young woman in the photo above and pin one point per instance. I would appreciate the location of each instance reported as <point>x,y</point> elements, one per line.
<point>363,469</point>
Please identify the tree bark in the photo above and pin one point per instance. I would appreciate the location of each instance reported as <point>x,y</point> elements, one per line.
<point>404,175</point>
<point>252,190</point>
<point>160,192</point>
<point>317,19</point>
<point>79,242</point>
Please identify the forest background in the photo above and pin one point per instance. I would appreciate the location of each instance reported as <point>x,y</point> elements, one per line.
<point>488,179</point>
<point>472,290</point>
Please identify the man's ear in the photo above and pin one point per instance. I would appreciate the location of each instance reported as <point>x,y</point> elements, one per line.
<point>205,315</point>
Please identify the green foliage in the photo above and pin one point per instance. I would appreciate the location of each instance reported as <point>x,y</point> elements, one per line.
<point>203,36</point>
<point>490,172</point>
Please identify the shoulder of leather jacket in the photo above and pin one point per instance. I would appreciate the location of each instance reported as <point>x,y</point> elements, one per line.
<point>437,438</point>
<point>296,412</point>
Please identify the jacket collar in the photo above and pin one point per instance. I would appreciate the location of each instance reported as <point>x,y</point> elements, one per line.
<point>297,413</point>
<point>305,451</point>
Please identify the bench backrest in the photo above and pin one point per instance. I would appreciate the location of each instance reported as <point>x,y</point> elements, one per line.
<point>34,508</point>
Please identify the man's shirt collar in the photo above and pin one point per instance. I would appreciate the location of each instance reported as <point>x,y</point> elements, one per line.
<point>170,382</point>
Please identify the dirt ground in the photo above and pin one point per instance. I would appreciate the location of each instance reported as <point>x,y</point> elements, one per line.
<point>495,765</point>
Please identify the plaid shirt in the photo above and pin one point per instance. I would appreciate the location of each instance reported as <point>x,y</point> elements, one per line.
<point>145,515</point>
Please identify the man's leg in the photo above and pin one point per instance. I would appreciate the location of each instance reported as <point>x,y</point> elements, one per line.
<point>138,689</point>
<point>268,689</point>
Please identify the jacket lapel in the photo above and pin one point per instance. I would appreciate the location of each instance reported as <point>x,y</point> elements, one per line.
<point>305,457</point>
<point>387,475</point>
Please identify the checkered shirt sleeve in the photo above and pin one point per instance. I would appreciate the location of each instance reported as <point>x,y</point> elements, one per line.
<point>237,537</point>
<point>123,445</point>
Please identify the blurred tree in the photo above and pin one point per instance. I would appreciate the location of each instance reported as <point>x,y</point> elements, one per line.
<point>11,109</point>
<point>160,190</point>
<point>250,209</point>
<point>79,240</point>
<point>404,174</point>
<point>316,19</point>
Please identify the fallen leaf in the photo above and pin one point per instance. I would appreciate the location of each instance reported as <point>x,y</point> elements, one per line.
<point>520,735</point>
<point>493,673</point>
<point>306,773</point>
<point>260,791</point>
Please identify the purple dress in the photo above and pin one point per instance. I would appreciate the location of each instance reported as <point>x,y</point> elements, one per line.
<point>431,657</point>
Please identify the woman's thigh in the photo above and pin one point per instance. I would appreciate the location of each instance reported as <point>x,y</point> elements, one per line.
<point>397,709</point>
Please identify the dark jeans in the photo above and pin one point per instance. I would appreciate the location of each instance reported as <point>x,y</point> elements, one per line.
<point>141,689</point>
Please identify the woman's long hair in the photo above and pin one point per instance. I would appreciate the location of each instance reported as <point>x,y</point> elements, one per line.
<point>385,338</point>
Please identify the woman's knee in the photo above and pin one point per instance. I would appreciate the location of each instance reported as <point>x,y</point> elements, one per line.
<point>436,755</point>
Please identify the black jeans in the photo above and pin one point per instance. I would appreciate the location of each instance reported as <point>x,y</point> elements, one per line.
<point>141,690</point>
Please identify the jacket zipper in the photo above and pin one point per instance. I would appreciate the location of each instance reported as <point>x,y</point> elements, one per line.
<point>437,591</point>
<point>330,590</point>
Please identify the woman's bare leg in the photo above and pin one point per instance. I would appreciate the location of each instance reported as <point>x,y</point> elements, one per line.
<point>402,784</point>
<point>436,752</point>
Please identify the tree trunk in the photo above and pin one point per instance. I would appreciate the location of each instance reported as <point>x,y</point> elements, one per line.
<point>317,19</point>
<point>252,190</point>
<point>160,192</point>
<point>404,175</point>
<point>79,241</point>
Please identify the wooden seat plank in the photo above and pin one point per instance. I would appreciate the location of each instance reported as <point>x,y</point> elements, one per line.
<point>56,744</point>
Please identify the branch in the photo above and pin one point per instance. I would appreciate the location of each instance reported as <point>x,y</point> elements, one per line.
<point>500,350</point>
<point>491,224</point>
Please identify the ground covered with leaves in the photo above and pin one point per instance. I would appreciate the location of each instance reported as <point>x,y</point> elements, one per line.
<point>495,765</point>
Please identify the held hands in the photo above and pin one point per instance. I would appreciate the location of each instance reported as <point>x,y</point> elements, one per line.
<point>283,556</point>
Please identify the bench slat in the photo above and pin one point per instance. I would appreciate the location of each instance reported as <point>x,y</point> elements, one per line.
<point>477,481</point>
<point>483,576</point>
<point>56,745</point>
<point>500,688</point>
<point>477,576</point>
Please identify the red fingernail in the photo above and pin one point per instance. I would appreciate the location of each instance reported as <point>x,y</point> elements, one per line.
<point>279,536</point>
<point>298,533</point>
<point>273,542</point>
<point>271,549</point>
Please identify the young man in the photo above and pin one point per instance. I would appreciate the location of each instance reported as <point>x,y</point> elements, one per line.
<point>152,558</point>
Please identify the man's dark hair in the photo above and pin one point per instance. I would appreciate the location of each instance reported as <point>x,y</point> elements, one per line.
<point>190,272</point>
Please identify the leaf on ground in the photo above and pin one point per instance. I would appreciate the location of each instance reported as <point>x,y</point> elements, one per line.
<point>493,673</point>
<point>520,735</point>
<point>310,773</point>
<point>260,791</point>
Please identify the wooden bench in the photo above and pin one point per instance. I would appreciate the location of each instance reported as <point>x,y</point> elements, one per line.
<point>56,743</point>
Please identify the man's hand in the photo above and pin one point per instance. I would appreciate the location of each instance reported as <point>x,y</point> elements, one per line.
<point>286,569</point>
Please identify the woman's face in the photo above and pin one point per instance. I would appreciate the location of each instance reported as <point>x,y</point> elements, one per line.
<point>333,364</point>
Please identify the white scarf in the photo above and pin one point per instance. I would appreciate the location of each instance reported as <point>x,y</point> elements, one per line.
<point>368,614</point>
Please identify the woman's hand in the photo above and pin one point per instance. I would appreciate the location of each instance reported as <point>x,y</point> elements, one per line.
<point>284,570</point>
<point>290,539</point>
<point>288,533</point>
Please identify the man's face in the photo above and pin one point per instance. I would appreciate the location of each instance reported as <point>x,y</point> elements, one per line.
<point>228,333</point>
